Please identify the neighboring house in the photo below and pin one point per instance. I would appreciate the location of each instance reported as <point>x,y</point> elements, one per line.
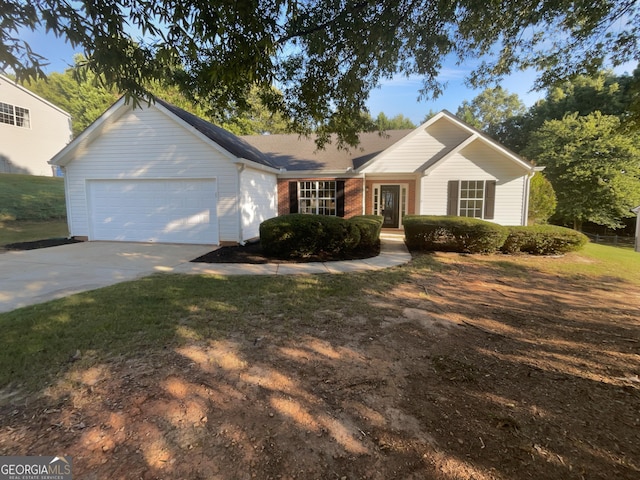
<point>158,173</point>
<point>32,130</point>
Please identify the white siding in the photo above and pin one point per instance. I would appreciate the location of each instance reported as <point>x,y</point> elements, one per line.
<point>258,200</point>
<point>477,162</point>
<point>28,149</point>
<point>417,148</point>
<point>147,144</point>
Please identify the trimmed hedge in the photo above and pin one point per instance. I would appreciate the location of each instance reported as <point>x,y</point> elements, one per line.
<point>301,235</point>
<point>370,227</point>
<point>543,240</point>
<point>453,234</point>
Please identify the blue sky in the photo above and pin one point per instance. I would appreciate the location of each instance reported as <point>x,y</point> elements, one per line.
<point>396,96</point>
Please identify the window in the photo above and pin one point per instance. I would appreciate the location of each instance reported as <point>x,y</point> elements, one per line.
<point>471,198</point>
<point>17,116</point>
<point>317,197</point>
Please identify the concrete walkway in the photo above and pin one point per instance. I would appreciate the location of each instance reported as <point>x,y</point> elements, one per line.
<point>37,276</point>
<point>393,252</point>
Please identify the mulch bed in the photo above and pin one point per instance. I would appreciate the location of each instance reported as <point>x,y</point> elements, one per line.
<point>49,242</point>
<point>252,253</point>
<point>249,253</point>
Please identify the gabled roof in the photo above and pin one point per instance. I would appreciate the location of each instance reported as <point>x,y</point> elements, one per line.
<point>227,140</point>
<point>219,137</point>
<point>296,153</point>
<point>29,92</point>
<point>473,136</point>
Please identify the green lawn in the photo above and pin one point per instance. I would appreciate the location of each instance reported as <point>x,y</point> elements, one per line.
<point>29,231</point>
<point>163,311</point>
<point>29,197</point>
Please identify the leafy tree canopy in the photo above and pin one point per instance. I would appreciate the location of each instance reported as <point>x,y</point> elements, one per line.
<point>603,92</point>
<point>324,56</point>
<point>593,166</point>
<point>490,109</point>
<point>542,200</point>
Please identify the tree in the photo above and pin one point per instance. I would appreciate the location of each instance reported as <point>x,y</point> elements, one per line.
<point>399,122</point>
<point>542,200</point>
<point>604,92</point>
<point>593,166</point>
<point>490,109</point>
<point>325,56</point>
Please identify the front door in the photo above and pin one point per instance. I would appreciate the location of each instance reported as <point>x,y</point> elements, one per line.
<point>390,205</point>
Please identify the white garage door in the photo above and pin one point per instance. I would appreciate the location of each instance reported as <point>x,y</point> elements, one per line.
<point>171,211</point>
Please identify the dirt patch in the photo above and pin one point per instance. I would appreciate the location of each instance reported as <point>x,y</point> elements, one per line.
<point>467,374</point>
<point>252,253</point>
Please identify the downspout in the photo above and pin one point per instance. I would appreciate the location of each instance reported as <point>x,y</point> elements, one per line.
<point>364,193</point>
<point>240,167</point>
<point>527,190</point>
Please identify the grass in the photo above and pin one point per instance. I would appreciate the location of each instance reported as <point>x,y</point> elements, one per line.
<point>29,231</point>
<point>29,197</point>
<point>165,311</point>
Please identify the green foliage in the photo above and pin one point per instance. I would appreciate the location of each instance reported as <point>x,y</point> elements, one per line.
<point>542,200</point>
<point>29,197</point>
<point>603,92</point>
<point>489,110</point>
<point>370,227</point>
<point>543,240</point>
<point>593,166</point>
<point>326,56</point>
<point>301,235</point>
<point>84,99</point>
<point>399,122</point>
<point>453,234</point>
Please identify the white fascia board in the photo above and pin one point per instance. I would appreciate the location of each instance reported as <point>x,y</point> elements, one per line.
<point>423,168</point>
<point>318,174</point>
<point>256,166</point>
<point>404,139</point>
<point>64,156</point>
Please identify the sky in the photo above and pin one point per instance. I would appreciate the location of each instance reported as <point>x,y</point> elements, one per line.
<point>395,96</point>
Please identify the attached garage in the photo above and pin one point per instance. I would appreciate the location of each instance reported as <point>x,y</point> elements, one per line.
<point>160,174</point>
<point>170,211</point>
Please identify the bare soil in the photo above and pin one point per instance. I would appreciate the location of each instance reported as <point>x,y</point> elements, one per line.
<point>480,375</point>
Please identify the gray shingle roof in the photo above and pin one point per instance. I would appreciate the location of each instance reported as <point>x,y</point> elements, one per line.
<point>295,152</point>
<point>227,140</point>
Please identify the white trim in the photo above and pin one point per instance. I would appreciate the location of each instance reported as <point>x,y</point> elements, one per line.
<point>401,211</point>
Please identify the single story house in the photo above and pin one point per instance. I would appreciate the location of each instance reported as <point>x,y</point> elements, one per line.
<point>160,174</point>
<point>32,130</point>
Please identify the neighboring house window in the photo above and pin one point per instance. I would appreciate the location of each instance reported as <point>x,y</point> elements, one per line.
<point>472,198</point>
<point>319,197</point>
<point>17,116</point>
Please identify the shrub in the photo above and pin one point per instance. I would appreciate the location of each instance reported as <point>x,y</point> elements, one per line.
<point>303,235</point>
<point>453,234</point>
<point>370,227</point>
<point>543,240</point>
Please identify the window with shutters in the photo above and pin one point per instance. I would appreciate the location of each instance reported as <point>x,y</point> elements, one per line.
<point>471,198</point>
<point>13,115</point>
<point>317,197</point>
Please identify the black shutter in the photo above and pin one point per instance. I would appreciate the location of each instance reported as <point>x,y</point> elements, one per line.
<point>340,198</point>
<point>293,197</point>
<point>452,198</point>
<point>489,199</point>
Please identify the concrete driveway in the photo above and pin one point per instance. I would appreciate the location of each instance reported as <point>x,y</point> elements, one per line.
<point>36,276</point>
